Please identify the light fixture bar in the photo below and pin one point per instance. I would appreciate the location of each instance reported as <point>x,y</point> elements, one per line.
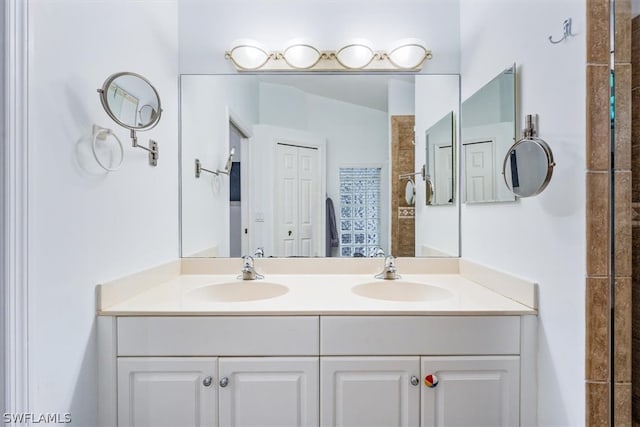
<point>416,55</point>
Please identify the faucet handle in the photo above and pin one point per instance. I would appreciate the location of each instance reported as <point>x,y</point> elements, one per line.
<point>247,261</point>
<point>378,252</point>
<point>390,261</point>
<point>259,253</point>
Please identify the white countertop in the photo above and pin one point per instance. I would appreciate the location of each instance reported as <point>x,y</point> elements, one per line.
<point>314,294</point>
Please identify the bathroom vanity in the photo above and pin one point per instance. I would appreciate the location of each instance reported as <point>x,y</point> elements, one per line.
<point>181,346</point>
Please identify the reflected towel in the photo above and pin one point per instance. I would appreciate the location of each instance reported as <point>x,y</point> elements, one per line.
<point>331,228</point>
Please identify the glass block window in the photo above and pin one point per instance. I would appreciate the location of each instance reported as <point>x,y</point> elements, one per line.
<point>359,226</point>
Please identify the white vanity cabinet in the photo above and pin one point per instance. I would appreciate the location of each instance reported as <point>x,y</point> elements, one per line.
<point>268,392</point>
<point>167,391</point>
<point>479,391</point>
<point>369,391</point>
<point>317,370</point>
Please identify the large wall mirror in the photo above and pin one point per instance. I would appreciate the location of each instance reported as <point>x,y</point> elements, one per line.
<point>316,165</point>
<point>488,131</point>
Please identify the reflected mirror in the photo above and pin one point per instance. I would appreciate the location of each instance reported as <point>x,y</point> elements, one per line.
<point>131,101</point>
<point>440,160</point>
<point>316,165</point>
<point>488,131</point>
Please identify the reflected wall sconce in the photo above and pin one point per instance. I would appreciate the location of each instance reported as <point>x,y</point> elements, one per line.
<point>227,167</point>
<point>357,55</point>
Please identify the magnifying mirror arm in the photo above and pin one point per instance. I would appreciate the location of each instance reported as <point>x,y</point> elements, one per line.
<point>152,149</point>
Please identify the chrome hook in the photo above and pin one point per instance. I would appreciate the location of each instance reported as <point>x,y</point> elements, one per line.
<point>566,32</point>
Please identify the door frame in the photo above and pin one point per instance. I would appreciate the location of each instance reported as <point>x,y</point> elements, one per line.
<point>14,215</point>
<point>233,118</point>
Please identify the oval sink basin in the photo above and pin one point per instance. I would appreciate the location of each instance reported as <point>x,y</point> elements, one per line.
<point>238,291</point>
<point>398,290</point>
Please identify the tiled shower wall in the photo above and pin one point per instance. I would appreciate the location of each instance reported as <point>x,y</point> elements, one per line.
<point>402,161</point>
<point>635,218</point>
<point>599,174</point>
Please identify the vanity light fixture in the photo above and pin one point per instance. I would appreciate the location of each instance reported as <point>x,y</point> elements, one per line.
<point>357,55</point>
<point>227,167</point>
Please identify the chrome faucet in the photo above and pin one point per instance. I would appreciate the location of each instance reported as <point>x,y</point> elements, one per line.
<point>259,253</point>
<point>248,270</point>
<point>390,272</point>
<point>377,252</point>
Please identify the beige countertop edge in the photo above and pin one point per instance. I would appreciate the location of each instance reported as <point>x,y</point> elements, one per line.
<point>182,313</point>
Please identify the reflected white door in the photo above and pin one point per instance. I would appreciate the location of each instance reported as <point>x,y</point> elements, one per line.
<point>297,201</point>
<point>479,171</point>
<point>269,392</point>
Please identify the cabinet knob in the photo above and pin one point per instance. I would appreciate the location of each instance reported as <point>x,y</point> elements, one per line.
<point>415,380</point>
<point>207,381</point>
<point>431,380</point>
<point>224,382</point>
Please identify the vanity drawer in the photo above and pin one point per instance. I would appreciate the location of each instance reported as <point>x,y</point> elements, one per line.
<point>415,335</point>
<point>218,336</point>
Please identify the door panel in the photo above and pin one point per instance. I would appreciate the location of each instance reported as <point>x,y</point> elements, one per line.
<point>369,391</point>
<point>166,392</point>
<point>269,392</point>
<point>471,391</point>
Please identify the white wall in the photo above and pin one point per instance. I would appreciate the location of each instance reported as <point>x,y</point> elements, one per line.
<point>355,135</point>
<point>207,28</point>
<point>541,238</point>
<point>436,226</point>
<point>86,226</point>
<point>3,301</point>
<point>205,105</point>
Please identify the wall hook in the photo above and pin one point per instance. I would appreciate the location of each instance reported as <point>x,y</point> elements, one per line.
<point>566,32</point>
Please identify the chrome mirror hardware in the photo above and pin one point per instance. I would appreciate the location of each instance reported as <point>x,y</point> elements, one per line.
<point>390,272</point>
<point>248,269</point>
<point>121,96</point>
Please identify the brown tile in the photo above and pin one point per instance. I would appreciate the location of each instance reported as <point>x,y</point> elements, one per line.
<point>597,224</point>
<point>622,397</point>
<point>635,171</point>
<point>597,329</point>
<point>598,118</point>
<point>623,31</point>
<point>597,404</point>
<point>623,224</point>
<point>623,330</point>
<point>598,39</point>
<point>622,122</point>
<point>635,51</point>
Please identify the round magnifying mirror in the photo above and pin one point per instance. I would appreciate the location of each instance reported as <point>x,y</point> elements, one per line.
<point>131,101</point>
<point>409,193</point>
<point>528,167</point>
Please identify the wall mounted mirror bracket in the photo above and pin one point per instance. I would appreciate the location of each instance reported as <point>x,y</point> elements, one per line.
<point>134,103</point>
<point>227,167</point>
<point>528,165</point>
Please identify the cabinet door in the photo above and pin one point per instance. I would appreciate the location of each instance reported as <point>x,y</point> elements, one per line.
<point>166,391</point>
<point>471,391</point>
<point>369,391</point>
<point>268,391</point>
